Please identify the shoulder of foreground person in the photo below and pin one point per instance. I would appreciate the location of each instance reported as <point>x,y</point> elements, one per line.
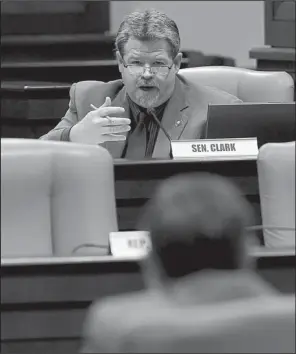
<point>108,319</point>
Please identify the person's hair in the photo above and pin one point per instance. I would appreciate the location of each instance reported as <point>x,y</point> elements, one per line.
<point>146,25</point>
<point>197,221</point>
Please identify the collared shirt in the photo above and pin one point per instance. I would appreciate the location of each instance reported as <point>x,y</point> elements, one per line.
<point>151,126</point>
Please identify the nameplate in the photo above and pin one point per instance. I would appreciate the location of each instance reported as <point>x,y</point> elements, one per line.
<point>129,243</point>
<point>216,149</point>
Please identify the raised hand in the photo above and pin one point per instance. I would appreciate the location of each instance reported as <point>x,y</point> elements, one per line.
<point>100,125</point>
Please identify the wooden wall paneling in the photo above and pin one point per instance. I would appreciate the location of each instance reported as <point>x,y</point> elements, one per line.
<point>54,17</point>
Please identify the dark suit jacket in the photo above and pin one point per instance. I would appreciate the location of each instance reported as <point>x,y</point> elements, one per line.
<point>183,118</point>
<point>112,323</point>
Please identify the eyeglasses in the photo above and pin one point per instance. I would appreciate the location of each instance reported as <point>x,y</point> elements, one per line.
<point>139,69</point>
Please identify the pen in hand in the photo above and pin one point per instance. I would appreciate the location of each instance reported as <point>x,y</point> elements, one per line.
<point>94,108</point>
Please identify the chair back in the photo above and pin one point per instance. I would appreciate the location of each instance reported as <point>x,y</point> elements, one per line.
<point>55,197</point>
<point>276,174</point>
<point>246,84</point>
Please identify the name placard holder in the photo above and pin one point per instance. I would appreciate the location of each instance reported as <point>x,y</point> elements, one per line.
<point>216,149</point>
<point>129,243</point>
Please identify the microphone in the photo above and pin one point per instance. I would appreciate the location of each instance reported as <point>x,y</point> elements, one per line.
<point>151,112</point>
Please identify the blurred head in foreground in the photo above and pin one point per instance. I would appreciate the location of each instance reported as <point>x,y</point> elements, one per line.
<point>197,221</point>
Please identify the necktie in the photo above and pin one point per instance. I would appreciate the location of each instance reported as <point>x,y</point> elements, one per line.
<point>137,141</point>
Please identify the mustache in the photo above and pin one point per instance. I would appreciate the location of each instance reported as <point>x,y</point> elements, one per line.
<point>147,84</point>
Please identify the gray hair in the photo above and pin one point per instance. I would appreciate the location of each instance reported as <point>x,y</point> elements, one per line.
<point>150,24</point>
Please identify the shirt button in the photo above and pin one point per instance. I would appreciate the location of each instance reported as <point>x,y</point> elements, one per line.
<point>178,123</point>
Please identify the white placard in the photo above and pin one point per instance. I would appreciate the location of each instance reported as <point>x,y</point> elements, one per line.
<point>129,243</point>
<point>216,149</point>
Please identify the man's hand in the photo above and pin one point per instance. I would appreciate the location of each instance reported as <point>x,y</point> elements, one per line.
<point>101,125</point>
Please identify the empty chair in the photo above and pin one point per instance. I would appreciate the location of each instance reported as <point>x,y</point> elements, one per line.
<point>276,173</point>
<point>56,198</point>
<point>246,84</point>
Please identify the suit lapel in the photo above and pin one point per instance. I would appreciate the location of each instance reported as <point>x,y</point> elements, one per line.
<point>174,119</point>
<point>116,147</point>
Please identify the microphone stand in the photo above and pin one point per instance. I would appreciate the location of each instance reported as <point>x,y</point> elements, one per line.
<point>151,112</point>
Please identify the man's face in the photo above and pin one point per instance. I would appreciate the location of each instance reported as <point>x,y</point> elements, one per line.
<point>146,88</point>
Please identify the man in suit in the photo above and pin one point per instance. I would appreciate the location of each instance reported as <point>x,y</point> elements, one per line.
<point>199,259</point>
<point>120,115</point>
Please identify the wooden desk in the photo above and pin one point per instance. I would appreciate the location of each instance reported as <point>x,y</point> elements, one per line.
<point>54,57</point>
<point>30,109</point>
<point>274,59</point>
<point>44,300</point>
<point>61,70</point>
<point>34,90</point>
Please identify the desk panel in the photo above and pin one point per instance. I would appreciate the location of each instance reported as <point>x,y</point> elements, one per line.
<point>136,181</point>
<point>81,282</point>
